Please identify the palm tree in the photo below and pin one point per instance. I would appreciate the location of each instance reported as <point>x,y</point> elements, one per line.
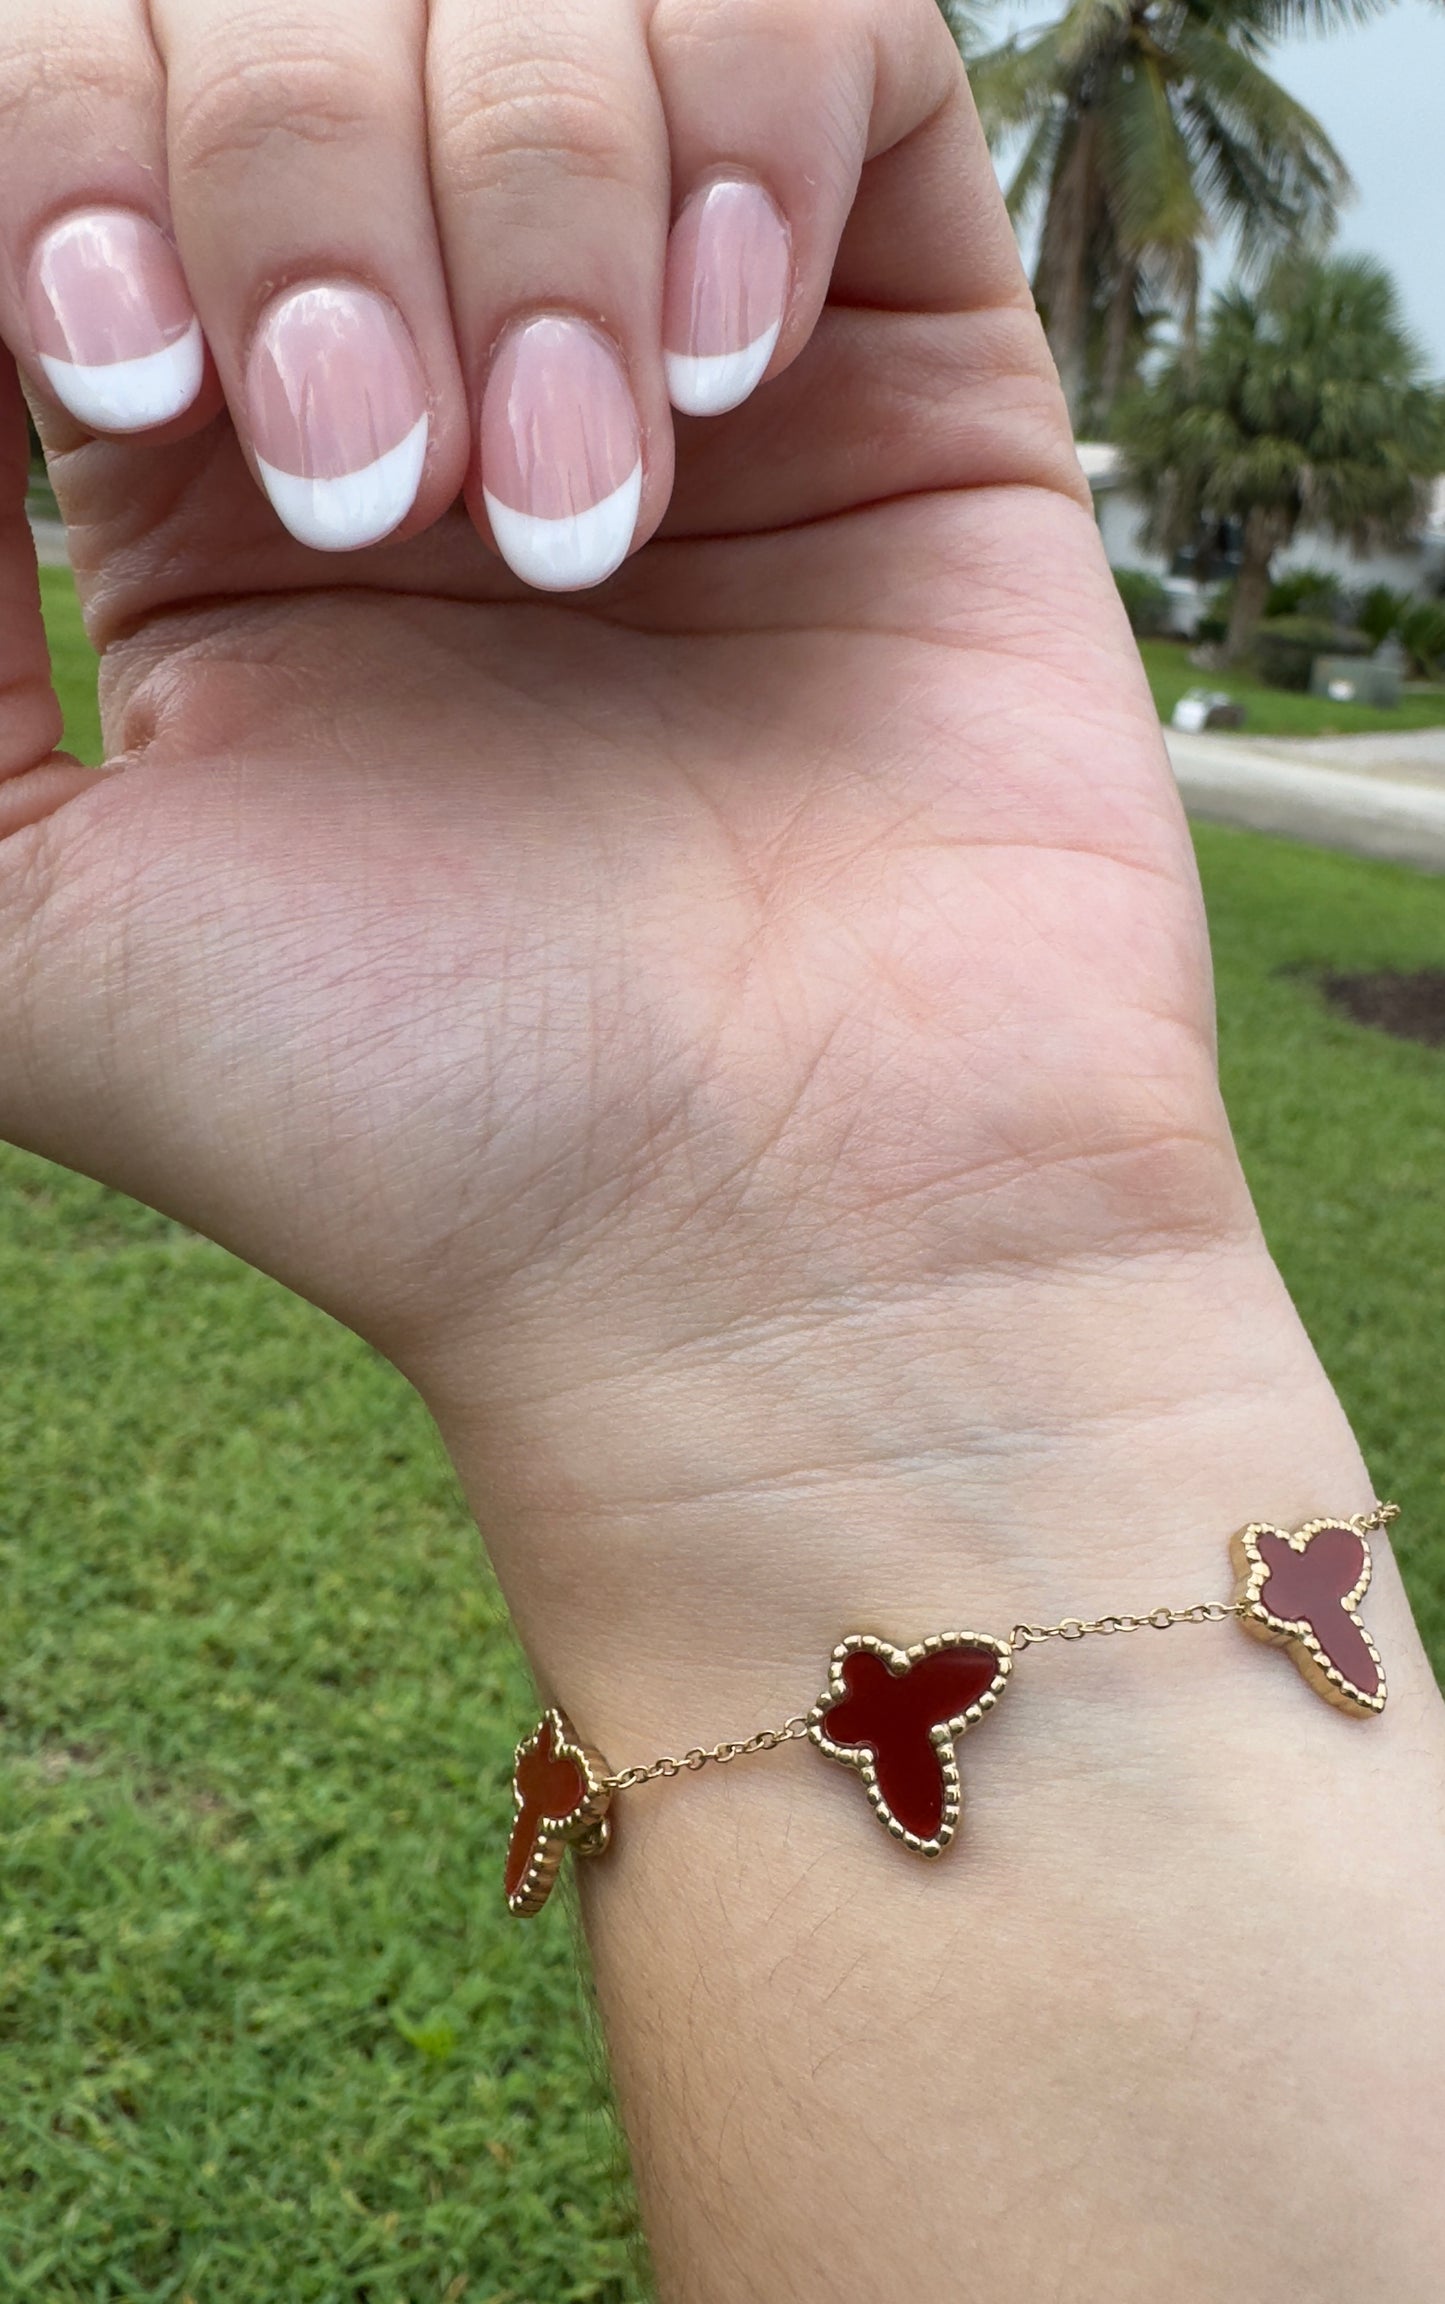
<point>1149,128</point>
<point>1307,406</point>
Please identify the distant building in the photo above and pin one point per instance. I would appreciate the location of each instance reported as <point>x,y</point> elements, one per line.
<point>1417,567</point>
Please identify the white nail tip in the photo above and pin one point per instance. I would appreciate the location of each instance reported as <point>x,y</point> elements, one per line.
<point>358,508</point>
<point>709,385</point>
<point>571,554</point>
<point>131,395</point>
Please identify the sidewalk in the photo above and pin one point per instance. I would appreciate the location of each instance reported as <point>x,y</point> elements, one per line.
<point>1378,796</point>
<point>50,546</point>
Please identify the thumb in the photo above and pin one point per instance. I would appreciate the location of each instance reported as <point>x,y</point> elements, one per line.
<point>35,779</point>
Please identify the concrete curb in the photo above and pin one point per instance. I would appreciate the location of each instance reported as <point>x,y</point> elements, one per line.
<point>1230,783</point>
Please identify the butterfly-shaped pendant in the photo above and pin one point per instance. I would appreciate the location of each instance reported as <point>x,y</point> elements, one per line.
<point>894,1714</point>
<point>561,1801</point>
<point>1301,1589</point>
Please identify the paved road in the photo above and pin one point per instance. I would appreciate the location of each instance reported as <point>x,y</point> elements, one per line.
<point>1373,795</point>
<point>1413,756</point>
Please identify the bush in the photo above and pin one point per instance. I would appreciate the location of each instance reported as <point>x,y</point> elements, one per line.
<point>1418,625</point>
<point>1307,592</point>
<point>1146,602</point>
<point>1381,610</point>
<point>1422,628</point>
<point>1285,648</point>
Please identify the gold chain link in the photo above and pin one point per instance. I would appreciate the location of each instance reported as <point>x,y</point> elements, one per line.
<point>719,1755</point>
<point>1022,1636</point>
<point>1157,1620</point>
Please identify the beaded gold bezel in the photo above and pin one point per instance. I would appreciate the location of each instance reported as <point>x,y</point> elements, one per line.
<point>586,1827</point>
<point>1297,1637</point>
<point>943,1736</point>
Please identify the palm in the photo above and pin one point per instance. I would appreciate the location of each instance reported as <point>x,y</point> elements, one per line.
<point>833,867</point>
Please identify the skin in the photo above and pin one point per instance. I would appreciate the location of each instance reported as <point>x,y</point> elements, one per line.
<point>741,1042</point>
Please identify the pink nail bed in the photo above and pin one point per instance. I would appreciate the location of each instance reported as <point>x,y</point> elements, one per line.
<point>112,320</point>
<point>729,277</point>
<point>337,405</point>
<point>561,454</point>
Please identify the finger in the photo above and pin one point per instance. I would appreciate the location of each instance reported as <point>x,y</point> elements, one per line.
<point>773,107</point>
<point>92,296</point>
<point>550,159</point>
<point>303,213</point>
<point>34,780</point>
<point>927,371</point>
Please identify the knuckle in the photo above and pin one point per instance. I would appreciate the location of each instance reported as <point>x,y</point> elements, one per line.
<point>511,115</point>
<point>239,112</point>
<point>804,28</point>
<point>37,82</point>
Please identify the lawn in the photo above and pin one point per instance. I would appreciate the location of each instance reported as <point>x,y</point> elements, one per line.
<point>265,2032</point>
<point>70,653</point>
<point>1277,711</point>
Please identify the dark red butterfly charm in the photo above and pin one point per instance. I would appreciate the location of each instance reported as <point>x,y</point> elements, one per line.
<point>894,1715</point>
<point>1302,1589</point>
<point>561,1802</point>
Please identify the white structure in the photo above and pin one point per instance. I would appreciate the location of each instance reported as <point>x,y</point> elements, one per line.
<point>1418,567</point>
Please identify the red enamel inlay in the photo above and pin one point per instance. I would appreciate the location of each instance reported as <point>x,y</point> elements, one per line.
<point>891,1714</point>
<point>1309,1587</point>
<point>550,1785</point>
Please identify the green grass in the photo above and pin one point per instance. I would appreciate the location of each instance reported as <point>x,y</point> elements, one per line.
<point>74,662</point>
<point>265,2034</point>
<point>1277,711</point>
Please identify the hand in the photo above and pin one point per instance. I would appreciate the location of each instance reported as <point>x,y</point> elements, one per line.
<point>741,1031</point>
<point>740,1039</point>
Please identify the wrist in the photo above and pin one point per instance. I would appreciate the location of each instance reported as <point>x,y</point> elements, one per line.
<point>682,1539</point>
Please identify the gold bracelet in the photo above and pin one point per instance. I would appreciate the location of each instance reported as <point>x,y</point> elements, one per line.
<point>894,1714</point>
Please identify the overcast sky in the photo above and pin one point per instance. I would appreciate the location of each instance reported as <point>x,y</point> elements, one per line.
<point>1380,93</point>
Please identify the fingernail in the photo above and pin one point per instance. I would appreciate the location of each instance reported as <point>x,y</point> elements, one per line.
<point>729,276</point>
<point>561,455</point>
<point>338,411</point>
<point>117,336</point>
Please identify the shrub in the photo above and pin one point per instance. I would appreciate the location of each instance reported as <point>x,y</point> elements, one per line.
<point>1307,592</point>
<point>1381,610</point>
<point>1285,648</point>
<point>1422,628</point>
<point>1419,626</point>
<point>1146,602</point>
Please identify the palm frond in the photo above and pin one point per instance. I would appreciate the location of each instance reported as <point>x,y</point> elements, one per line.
<point>1017,84</point>
<point>1264,162</point>
<point>1153,196</point>
<point>1035,167</point>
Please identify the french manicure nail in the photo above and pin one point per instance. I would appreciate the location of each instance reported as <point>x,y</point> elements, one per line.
<point>338,412</point>
<point>116,334</point>
<point>729,275</point>
<point>561,454</point>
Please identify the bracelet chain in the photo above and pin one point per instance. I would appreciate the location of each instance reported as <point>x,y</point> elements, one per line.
<point>1157,1620</point>
<point>1022,1636</point>
<point>766,1740</point>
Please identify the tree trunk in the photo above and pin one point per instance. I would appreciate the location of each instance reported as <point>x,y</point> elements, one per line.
<point>1118,338</point>
<point>1061,277</point>
<point>1262,540</point>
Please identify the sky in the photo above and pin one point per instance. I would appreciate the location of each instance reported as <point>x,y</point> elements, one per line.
<point>1380,93</point>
